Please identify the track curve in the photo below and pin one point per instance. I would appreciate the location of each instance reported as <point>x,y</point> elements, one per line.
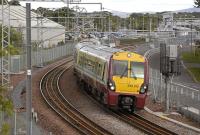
<point>50,91</point>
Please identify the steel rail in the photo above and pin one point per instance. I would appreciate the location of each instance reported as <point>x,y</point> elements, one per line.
<point>103,131</point>
<point>143,124</point>
<point>135,120</point>
<point>51,94</point>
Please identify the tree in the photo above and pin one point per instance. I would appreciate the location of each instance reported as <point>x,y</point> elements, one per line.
<point>4,1</point>
<point>5,130</point>
<point>14,2</point>
<point>6,106</point>
<point>197,3</point>
<point>15,37</point>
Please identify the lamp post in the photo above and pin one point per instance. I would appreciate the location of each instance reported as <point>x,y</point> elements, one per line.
<point>191,36</point>
<point>143,24</point>
<point>130,22</point>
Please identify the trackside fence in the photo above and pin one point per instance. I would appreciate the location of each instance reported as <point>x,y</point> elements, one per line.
<point>185,99</point>
<point>181,97</point>
<point>18,65</point>
<point>40,57</point>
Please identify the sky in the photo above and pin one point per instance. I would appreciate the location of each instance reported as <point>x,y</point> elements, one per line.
<point>123,5</point>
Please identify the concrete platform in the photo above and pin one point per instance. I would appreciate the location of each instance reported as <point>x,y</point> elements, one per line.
<point>163,116</point>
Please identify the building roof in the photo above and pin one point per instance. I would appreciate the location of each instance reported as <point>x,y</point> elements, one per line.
<point>18,18</point>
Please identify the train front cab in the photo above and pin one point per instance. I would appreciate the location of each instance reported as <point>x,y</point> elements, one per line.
<point>127,81</point>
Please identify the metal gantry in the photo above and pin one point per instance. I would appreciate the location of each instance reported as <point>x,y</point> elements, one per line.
<point>73,2</point>
<point>83,21</point>
<point>5,42</point>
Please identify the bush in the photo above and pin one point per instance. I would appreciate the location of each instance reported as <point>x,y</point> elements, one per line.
<point>5,130</point>
<point>11,50</point>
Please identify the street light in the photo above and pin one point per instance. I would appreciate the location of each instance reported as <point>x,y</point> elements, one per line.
<point>191,37</point>
<point>133,20</point>
<point>143,24</point>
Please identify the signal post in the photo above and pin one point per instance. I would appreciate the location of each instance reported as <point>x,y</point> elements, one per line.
<point>169,66</point>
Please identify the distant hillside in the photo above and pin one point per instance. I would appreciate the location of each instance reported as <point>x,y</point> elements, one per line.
<point>189,10</point>
<point>120,14</point>
<point>126,14</point>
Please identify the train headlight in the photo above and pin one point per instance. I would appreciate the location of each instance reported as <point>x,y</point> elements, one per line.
<point>112,88</point>
<point>111,85</point>
<point>143,89</point>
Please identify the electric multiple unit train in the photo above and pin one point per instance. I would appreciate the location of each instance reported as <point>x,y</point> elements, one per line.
<point>119,79</point>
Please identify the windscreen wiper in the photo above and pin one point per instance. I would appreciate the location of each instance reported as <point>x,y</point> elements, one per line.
<point>126,69</point>
<point>134,76</point>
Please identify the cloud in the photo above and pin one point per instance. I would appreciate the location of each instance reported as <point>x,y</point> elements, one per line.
<point>126,5</point>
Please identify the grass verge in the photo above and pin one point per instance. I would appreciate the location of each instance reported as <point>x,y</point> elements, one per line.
<point>132,41</point>
<point>190,57</point>
<point>195,72</point>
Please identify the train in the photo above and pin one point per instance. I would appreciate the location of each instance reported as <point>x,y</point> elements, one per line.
<point>117,78</point>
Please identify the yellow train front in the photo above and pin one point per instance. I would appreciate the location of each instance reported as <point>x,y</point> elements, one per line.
<point>128,80</point>
<point>117,78</point>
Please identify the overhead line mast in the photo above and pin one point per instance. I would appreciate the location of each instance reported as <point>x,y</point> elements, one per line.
<point>5,42</point>
<point>28,32</point>
<point>71,2</point>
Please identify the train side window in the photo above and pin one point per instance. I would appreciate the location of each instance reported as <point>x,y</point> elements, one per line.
<point>102,72</point>
<point>80,60</point>
<point>105,75</point>
<point>98,69</point>
<point>90,65</point>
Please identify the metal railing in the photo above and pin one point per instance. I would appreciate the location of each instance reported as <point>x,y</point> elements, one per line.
<point>184,98</point>
<point>18,62</point>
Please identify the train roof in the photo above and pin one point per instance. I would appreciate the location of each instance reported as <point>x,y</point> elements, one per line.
<point>96,49</point>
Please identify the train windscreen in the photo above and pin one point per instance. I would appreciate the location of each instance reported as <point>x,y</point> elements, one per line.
<point>120,68</point>
<point>137,70</point>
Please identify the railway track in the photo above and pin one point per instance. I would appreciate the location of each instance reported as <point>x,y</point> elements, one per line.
<point>143,124</point>
<point>135,120</point>
<point>49,87</point>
